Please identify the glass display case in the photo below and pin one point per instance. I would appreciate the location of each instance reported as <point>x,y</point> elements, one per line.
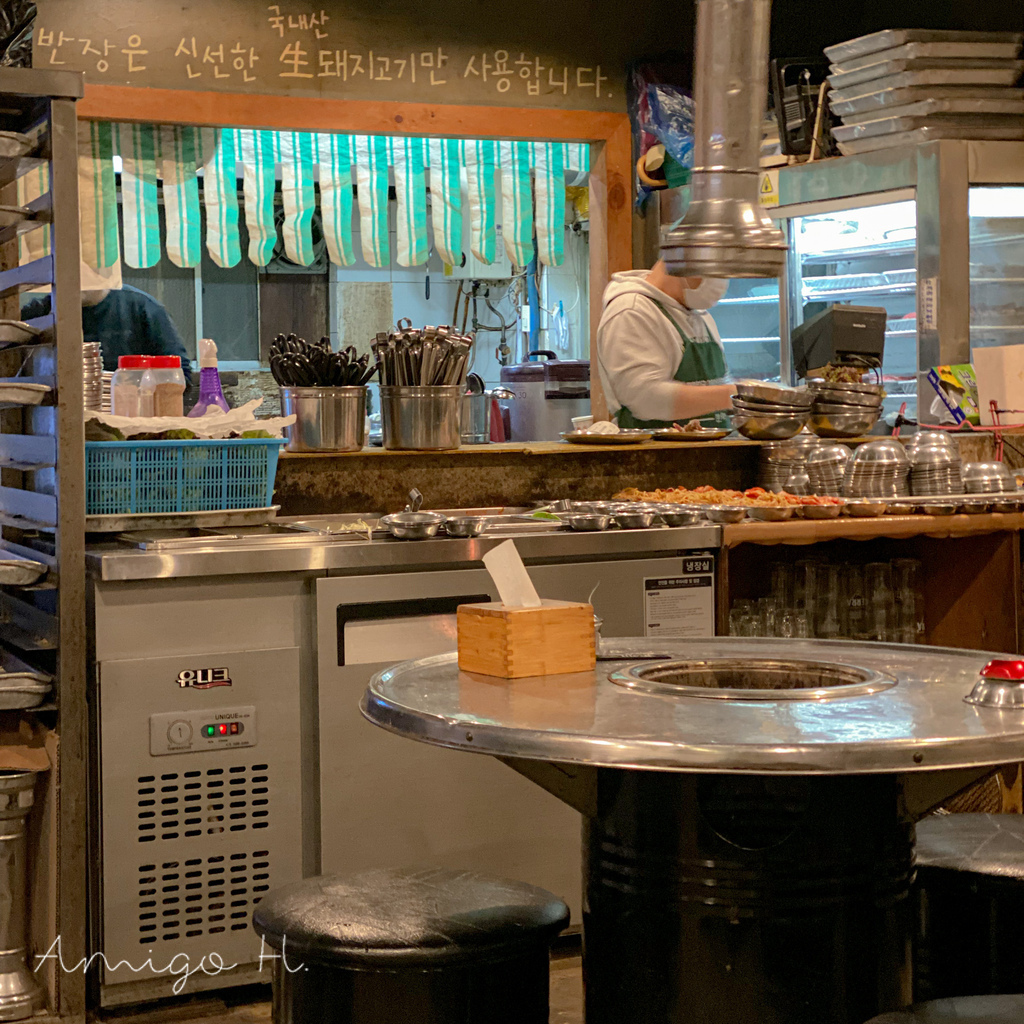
<point>934,234</point>
<point>996,226</point>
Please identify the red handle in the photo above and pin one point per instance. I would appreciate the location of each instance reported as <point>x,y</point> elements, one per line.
<point>998,669</point>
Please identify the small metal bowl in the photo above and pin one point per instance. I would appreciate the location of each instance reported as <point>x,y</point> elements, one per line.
<point>821,511</point>
<point>465,526</point>
<point>725,513</point>
<point>587,522</point>
<point>975,508</point>
<point>413,525</point>
<point>865,508</point>
<point>938,508</point>
<point>770,513</point>
<point>1005,505</point>
<point>634,520</point>
<point>678,515</point>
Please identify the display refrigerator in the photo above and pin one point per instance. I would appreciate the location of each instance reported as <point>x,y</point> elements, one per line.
<point>934,234</point>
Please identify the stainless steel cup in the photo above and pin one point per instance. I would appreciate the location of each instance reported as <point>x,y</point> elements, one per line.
<point>328,419</point>
<point>421,418</point>
<point>476,418</point>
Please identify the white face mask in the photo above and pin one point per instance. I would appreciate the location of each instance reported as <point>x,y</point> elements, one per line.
<point>706,294</point>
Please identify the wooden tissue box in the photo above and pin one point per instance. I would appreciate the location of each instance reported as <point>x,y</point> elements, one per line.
<point>557,638</point>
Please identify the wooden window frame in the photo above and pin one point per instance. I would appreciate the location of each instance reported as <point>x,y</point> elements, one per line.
<point>611,165</point>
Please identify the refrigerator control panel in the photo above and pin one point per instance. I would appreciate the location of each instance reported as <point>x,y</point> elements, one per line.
<point>188,732</point>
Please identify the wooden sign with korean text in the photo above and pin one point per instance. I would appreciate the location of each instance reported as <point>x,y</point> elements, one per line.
<point>422,52</point>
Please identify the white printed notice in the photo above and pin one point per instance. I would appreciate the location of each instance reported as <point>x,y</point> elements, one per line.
<point>681,606</point>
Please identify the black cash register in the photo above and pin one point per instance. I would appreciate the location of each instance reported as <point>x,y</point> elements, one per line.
<point>842,336</point>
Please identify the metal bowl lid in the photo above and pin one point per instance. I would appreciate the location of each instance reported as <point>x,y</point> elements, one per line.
<point>1001,685</point>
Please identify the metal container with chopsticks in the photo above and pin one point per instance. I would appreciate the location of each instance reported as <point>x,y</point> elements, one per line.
<point>421,418</point>
<point>423,377</point>
<point>327,419</point>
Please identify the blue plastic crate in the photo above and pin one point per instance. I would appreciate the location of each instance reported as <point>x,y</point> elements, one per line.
<point>125,477</point>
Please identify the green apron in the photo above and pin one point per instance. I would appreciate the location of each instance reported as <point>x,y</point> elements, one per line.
<point>702,363</point>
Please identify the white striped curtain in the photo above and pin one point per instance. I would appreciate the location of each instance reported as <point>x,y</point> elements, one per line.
<point>529,203</point>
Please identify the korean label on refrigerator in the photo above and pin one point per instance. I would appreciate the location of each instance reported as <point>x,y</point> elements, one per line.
<point>929,304</point>
<point>682,606</point>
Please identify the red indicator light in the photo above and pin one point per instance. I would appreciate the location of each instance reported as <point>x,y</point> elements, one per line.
<point>222,729</point>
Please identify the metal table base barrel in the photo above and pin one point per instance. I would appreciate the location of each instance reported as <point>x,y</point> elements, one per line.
<point>715,899</point>
<point>748,809</point>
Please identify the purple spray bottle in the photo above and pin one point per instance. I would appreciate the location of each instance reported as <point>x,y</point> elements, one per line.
<point>210,393</point>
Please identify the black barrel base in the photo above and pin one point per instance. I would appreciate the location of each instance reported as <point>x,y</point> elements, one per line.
<point>511,991</point>
<point>713,899</point>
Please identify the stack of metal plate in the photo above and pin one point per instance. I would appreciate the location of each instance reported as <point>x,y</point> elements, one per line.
<point>92,377</point>
<point>769,412</point>
<point>935,467</point>
<point>902,87</point>
<point>987,478</point>
<point>826,467</point>
<point>844,409</point>
<point>783,460</point>
<point>878,469</point>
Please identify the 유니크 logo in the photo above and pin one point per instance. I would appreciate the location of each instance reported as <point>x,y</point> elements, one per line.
<point>204,678</point>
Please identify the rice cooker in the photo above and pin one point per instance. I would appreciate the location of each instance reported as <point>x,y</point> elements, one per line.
<point>548,395</point>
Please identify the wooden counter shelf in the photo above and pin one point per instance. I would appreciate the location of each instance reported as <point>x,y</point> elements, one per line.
<point>815,531</point>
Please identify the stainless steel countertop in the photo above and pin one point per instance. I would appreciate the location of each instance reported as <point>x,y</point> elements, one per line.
<point>921,723</point>
<point>314,553</point>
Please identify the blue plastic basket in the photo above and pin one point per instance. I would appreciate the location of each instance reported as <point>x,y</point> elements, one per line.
<point>125,477</point>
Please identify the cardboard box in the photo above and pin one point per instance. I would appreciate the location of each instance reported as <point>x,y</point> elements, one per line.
<point>556,638</point>
<point>957,389</point>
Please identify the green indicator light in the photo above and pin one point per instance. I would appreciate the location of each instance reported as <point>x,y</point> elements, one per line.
<point>209,730</point>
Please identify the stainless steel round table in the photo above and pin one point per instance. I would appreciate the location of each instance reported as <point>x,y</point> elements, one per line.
<point>748,809</point>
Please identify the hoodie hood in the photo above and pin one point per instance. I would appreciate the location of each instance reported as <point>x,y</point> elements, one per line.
<point>634,282</point>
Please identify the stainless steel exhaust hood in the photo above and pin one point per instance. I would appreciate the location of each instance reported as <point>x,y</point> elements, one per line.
<point>725,232</point>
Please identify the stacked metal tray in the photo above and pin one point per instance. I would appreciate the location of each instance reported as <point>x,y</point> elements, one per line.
<point>904,87</point>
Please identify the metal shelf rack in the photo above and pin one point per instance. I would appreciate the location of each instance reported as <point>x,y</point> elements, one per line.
<point>42,488</point>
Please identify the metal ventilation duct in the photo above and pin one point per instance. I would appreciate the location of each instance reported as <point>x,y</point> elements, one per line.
<point>725,232</point>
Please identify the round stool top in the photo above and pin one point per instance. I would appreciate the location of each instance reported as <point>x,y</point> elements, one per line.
<point>406,917</point>
<point>982,844</point>
<point>962,1009</point>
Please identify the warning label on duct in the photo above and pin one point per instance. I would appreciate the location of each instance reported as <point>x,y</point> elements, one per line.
<point>768,192</point>
<point>681,606</point>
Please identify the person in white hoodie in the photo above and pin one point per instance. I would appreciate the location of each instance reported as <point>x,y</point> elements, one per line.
<point>660,357</point>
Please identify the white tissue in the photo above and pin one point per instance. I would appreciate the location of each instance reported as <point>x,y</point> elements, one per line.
<point>215,424</point>
<point>510,577</point>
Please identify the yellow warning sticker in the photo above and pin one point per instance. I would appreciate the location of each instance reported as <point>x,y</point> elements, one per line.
<point>768,191</point>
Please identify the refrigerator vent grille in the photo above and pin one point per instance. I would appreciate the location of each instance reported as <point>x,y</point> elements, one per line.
<point>179,805</point>
<point>200,896</point>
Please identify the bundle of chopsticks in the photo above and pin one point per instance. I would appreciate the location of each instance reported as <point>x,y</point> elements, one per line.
<point>427,357</point>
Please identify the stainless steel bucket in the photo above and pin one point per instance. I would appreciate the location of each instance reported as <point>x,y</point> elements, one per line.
<point>328,419</point>
<point>421,418</point>
<point>20,994</point>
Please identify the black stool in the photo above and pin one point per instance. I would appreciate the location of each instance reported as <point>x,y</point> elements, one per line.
<point>412,946</point>
<point>968,1010</point>
<point>970,899</point>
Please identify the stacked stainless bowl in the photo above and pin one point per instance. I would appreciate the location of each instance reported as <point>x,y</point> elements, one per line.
<point>934,464</point>
<point>844,410</point>
<point>92,377</point>
<point>781,460</point>
<point>878,469</point>
<point>988,478</point>
<point>826,467</point>
<point>770,412</point>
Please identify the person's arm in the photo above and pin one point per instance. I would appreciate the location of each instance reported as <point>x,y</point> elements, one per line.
<point>165,338</point>
<point>641,369</point>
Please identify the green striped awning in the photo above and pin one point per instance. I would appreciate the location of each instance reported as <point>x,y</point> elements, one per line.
<point>440,186</point>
